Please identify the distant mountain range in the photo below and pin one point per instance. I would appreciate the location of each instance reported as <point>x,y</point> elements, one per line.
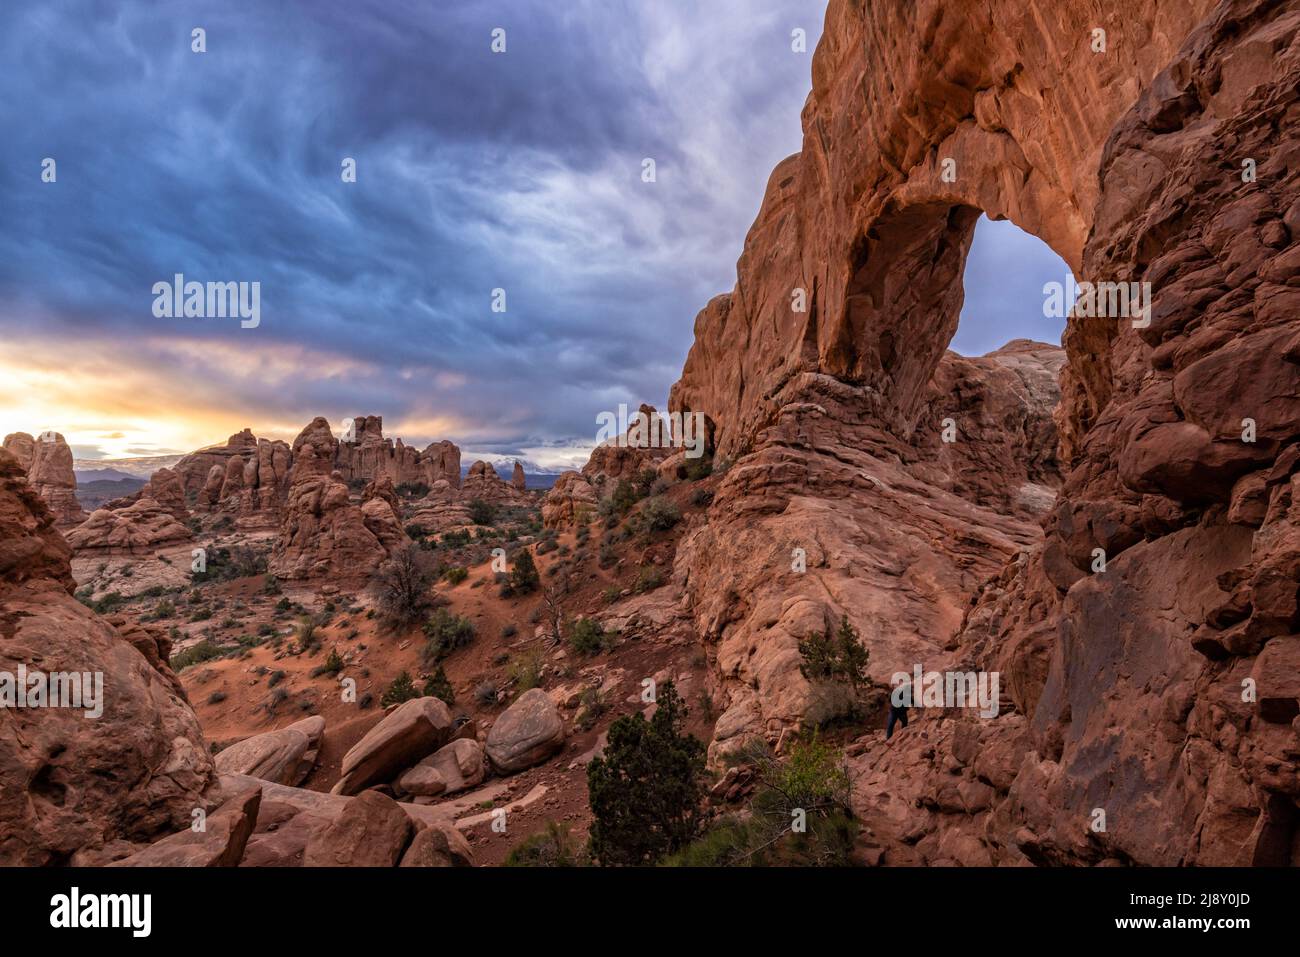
<point>112,470</point>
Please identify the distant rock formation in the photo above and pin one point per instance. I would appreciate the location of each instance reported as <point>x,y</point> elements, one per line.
<point>140,528</point>
<point>323,534</point>
<point>247,477</point>
<point>164,487</point>
<point>48,463</point>
<point>483,484</point>
<point>571,501</point>
<point>517,479</point>
<point>71,786</point>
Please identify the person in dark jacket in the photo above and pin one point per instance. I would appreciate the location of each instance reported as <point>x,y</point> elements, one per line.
<point>900,699</point>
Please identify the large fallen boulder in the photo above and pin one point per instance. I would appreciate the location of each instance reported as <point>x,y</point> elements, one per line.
<point>284,756</point>
<point>453,767</point>
<point>529,732</point>
<point>411,731</point>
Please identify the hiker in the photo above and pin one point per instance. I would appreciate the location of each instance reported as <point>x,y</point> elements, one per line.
<point>900,699</point>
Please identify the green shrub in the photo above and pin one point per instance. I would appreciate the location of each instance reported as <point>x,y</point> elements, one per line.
<point>525,670</point>
<point>650,578</point>
<point>402,689</point>
<point>332,665</point>
<point>624,497</point>
<point>553,847</point>
<point>587,636</point>
<point>838,657</point>
<point>523,576</point>
<point>438,686</point>
<point>645,791</point>
<point>660,515</point>
<point>445,632</point>
<point>801,813</point>
<point>481,512</point>
<point>699,468</point>
<point>197,653</point>
<point>456,574</point>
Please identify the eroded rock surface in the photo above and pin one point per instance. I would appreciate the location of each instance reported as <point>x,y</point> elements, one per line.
<point>1172,463</point>
<point>72,782</point>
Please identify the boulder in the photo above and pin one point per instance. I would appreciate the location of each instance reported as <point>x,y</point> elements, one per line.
<point>220,842</point>
<point>527,733</point>
<point>453,767</point>
<point>411,731</point>
<point>285,756</point>
<point>372,831</point>
<point>438,845</point>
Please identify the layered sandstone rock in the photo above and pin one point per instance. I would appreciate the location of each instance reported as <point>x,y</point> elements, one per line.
<point>164,487</point>
<point>482,483</point>
<point>1168,573</point>
<point>140,528</point>
<point>365,455</point>
<point>647,442</point>
<point>70,782</point>
<point>247,477</point>
<point>571,501</point>
<point>47,460</point>
<point>323,533</point>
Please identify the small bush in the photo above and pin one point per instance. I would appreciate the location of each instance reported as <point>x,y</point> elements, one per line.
<point>660,515</point>
<point>650,578</point>
<point>553,847</point>
<point>402,689</point>
<point>481,512</point>
<point>445,632</point>
<point>216,697</point>
<point>332,665</point>
<point>525,670</point>
<point>438,686</point>
<point>523,576</point>
<point>197,653</point>
<point>699,468</point>
<point>624,497</point>
<point>588,637</point>
<point>456,574</point>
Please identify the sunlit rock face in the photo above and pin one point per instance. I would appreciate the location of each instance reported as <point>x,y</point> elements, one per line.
<point>1158,151</point>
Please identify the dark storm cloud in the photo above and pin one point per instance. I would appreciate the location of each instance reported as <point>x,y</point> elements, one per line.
<point>475,171</point>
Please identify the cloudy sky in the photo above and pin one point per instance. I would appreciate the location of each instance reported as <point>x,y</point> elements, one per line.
<point>476,171</point>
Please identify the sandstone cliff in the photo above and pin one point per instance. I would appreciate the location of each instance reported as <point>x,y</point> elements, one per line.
<point>1126,687</point>
<point>72,783</point>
